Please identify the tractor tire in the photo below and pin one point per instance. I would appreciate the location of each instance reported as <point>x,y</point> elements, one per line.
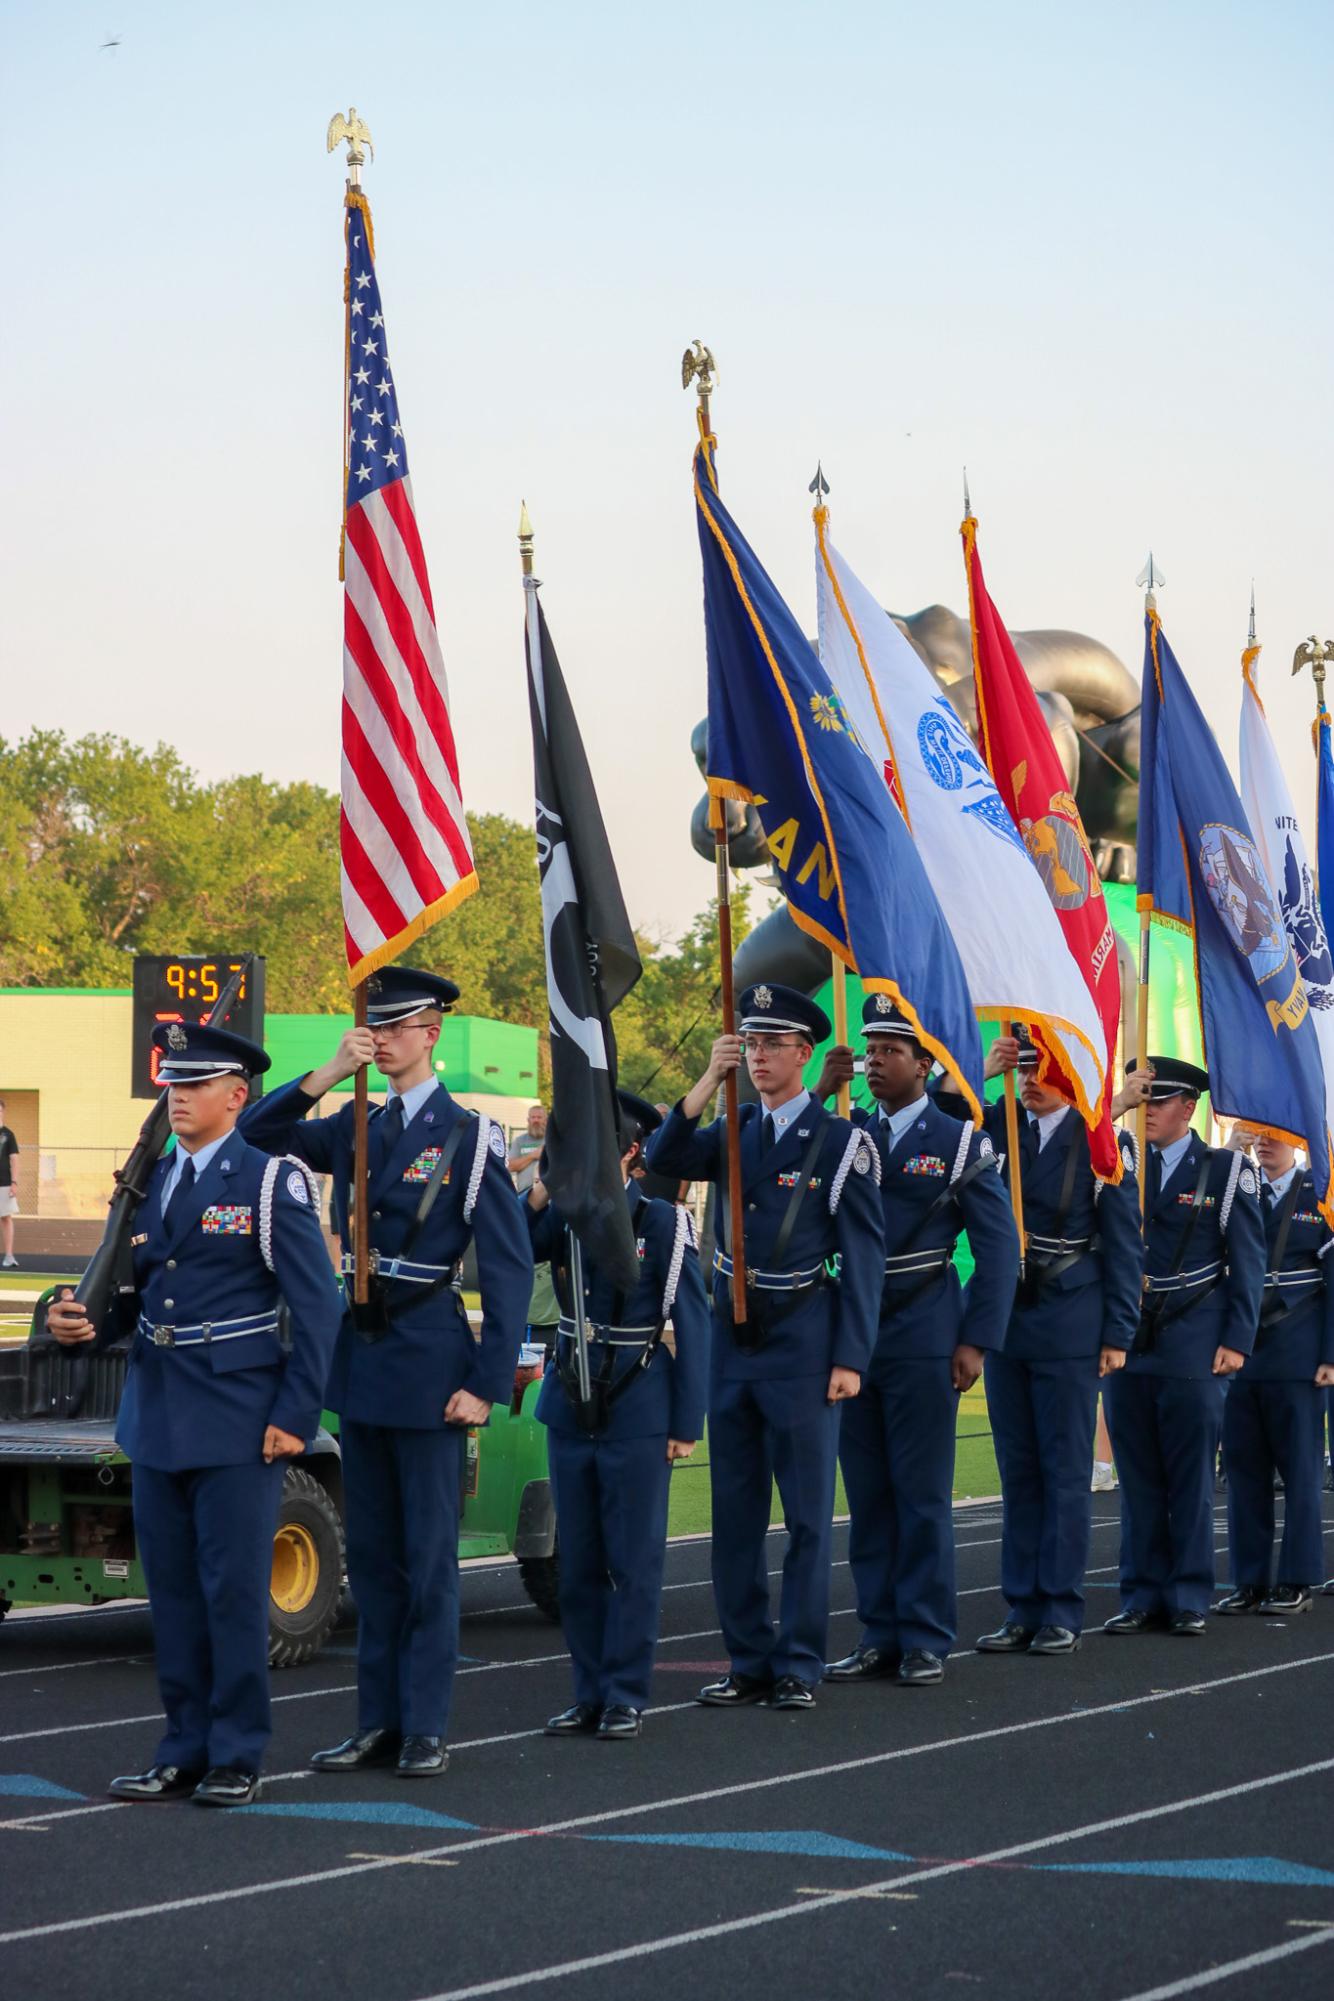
<point>541,1580</point>
<point>307,1581</point>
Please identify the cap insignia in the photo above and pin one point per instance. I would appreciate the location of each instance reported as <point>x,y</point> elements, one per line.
<point>763,997</point>
<point>177,1038</point>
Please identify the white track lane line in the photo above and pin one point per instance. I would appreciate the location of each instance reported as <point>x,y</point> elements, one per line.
<point>1190,1983</point>
<point>835,1899</point>
<point>318,1877</point>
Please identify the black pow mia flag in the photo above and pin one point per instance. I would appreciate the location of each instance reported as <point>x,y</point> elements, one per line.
<point>592,963</point>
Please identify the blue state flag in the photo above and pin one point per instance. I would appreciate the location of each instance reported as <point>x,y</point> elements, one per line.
<point>780,738</point>
<point>1200,869</point>
<point>1324,820</point>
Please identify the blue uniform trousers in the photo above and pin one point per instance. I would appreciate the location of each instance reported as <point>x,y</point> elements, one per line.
<point>1165,1432</point>
<point>611,1510</point>
<point>402,1489</point>
<point>896,1448</point>
<point>1043,1416</point>
<point>764,1429</point>
<point>205,1540</point>
<point>1268,1426</point>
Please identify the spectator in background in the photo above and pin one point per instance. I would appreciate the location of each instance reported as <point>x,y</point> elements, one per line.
<point>9,1197</point>
<point>526,1150</point>
<point>522,1161</point>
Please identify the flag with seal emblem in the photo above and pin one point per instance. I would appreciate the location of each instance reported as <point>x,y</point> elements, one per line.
<point>1009,937</point>
<point>404,845</point>
<point>1201,871</point>
<point>1014,739</point>
<point>592,963</point>
<point>1268,803</point>
<point>781,738</point>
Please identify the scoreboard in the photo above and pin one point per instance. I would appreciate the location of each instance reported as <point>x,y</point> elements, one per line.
<point>185,987</point>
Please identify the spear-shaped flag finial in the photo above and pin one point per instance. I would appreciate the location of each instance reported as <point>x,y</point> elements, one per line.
<point>1250,630</point>
<point>819,486</point>
<point>1151,578</point>
<point>525,539</point>
<point>967,498</point>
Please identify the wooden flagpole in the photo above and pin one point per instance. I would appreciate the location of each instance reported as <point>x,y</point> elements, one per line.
<point>698,365</point>
<point>819,486</point>
<point>1148,576</point>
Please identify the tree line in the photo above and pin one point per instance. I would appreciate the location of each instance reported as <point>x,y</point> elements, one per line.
<point>108,849</point>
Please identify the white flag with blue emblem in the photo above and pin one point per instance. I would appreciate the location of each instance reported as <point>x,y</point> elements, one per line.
<point>1268,803</point>
<point>1015,958</point>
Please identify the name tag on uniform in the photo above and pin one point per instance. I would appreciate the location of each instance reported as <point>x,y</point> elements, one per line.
<point>423,1167</point>
<point>925,1163</point>
<point>230,1219</point>
<point>142,1238</point>
<point>1183,1198</point>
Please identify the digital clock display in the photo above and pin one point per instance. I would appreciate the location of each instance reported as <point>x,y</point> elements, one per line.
<point>186,987</point>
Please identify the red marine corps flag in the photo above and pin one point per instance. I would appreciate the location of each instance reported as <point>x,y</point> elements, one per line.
<point>406,855</point>
<point>1017,744</point>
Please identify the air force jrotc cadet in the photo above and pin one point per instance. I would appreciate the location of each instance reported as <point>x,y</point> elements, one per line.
<point>216,1400</point>
<point>897,1439</point>
<point>1274,1417</point>
<point>1075,1316</point>
<point>1204,1264</point>
<point>612,1457</point>
<point>408,1375</point>
<point>810,1186</point>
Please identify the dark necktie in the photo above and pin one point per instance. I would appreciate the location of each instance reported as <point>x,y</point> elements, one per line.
<point>1266,1197</point>
<point>1155,1174</point>
<point>766,1133</point>
<point>180,1194</point>
<point>388,1130</point>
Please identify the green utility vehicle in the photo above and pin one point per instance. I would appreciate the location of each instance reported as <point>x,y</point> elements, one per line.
<point>67,1531</point>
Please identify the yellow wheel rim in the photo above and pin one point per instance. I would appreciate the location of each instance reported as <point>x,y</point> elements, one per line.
<point>296,1568</point>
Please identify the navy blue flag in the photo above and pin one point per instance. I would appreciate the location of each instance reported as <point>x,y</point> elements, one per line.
<point>780,738</point>
<point>1200,869</point>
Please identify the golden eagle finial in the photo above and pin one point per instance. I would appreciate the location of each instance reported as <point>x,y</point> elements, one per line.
<point>357,134</point>
<point>698,361</point>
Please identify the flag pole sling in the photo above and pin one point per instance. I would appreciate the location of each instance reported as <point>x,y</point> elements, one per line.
<point>580,1319</point>
<point>844,1101</point>
<point>361,1267</point>
<point>1012,1152</point>
<point>731,1103</point>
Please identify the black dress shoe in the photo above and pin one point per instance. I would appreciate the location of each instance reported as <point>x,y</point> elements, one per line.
<point>225,1787</point>
<point>1011,1638</point>
<point>1055,1640</point>
<point>790,1692</point>
<point>619,1720</point>
<point>422,1758</point>
<point>579,1720</point>
<point>1187,1625</point>
<point>734,1690</point>
<point>864,1663</point>
<point>159,1782</point>
<point>1246,1598</point>
<point>918,1667</point>
<point>1134,1622</point>
<point>355,1753</point>
<point>1288,1598</point>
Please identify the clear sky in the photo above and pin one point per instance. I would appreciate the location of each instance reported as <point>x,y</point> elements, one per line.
<point>1083,249</point>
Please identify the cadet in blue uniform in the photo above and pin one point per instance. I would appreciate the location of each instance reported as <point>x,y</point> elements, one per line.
<point>1075,1317</point>
<point>611,1460</point>
<point>408,1375</point>
<point>1204,1263</point>
<point>897,1439</point>
<point>1274,1417</point>
<point>216,1400</point>
<point>810,1187</point>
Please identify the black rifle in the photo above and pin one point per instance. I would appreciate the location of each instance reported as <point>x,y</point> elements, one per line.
<point>109,1272</point>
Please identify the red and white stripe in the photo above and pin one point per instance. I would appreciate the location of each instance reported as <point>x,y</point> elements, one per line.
<point>406,855</point>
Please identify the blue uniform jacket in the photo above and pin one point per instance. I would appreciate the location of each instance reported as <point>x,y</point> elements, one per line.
<point>1094,1303</point>
<point>1229,1234</point>
<point>920,1320</point>
<point>408,1377</point>
<point>1295,1343</point>
<point>668,1400</point>
<point>207,1402</point>
<point>833,1326</point>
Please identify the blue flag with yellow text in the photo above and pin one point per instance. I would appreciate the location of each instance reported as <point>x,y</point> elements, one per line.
<point>1200,869</point>
<point>779,737</point>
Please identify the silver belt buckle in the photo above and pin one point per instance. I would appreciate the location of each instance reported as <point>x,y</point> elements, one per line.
<point>164,1337</point>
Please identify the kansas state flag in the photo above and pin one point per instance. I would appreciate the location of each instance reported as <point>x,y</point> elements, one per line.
<point>1200,869</point>
<point>779,737</point>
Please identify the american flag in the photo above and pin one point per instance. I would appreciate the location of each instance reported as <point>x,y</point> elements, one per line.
<point>406,855</point>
